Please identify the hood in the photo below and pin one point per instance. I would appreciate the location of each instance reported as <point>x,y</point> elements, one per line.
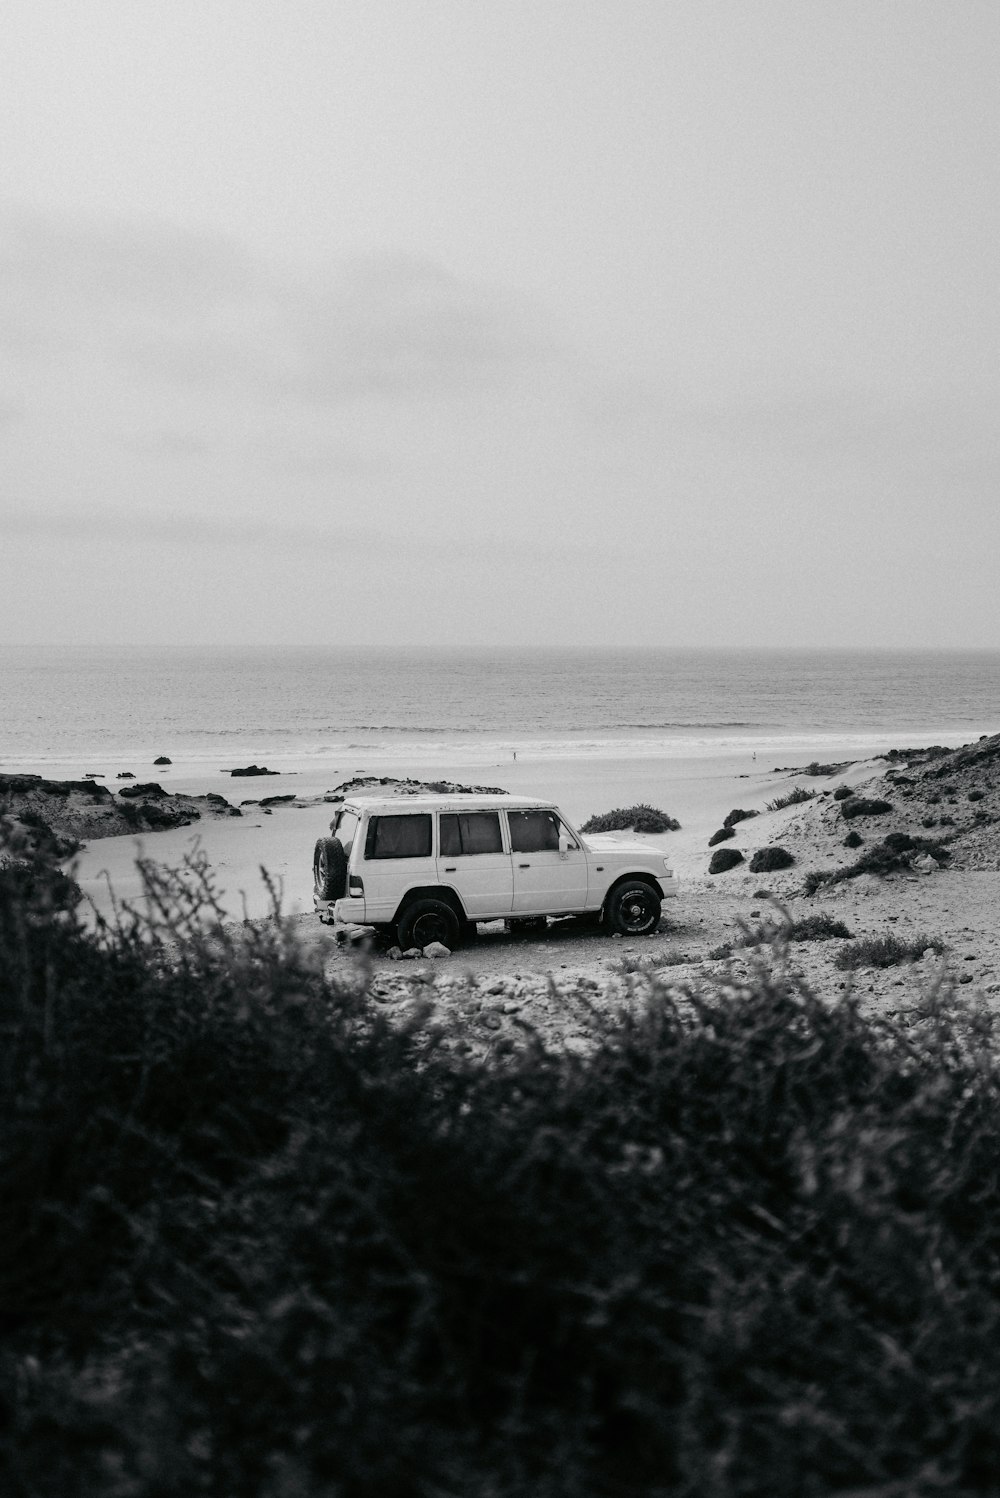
<point>612,842</point>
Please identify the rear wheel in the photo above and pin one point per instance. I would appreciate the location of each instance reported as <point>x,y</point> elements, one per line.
<point>329,869</point>
<point>633,909</point>
<point>428,920</point>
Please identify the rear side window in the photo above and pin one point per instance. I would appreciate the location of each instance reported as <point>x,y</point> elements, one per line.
<point>399,837</point>
<point>344,829</point>
<point>468,832</point>
<point>533,831</point>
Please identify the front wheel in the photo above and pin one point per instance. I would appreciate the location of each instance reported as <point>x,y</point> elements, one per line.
<point>633,909</point>
<point>428,920</point>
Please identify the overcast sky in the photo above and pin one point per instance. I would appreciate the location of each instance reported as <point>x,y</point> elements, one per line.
<point>475,321</point>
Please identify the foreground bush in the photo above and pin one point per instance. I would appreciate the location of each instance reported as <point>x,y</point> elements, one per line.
<point>641,818</point>
<point>258,1240</point>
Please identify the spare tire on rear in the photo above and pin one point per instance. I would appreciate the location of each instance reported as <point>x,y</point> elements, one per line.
<point>329,869</point>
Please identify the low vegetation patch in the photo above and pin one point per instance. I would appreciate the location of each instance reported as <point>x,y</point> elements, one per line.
<point>842,792</point>
<point>885,951</point>
<point>792,799</point>
<point>853,839</point>
<point>819,927</point>
<point>721,836</point>
<point>641,818</point>
<point>265,1236</point>
<point>767,859</point>
<point>891,854</point>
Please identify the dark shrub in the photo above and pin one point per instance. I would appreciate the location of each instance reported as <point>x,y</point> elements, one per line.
<point>976,795</point>
<point>842,792</point>
<point>853,839</point>
<point>767,859</point>
<point>641,818</point>
<point>737,815</point>
<point>721,836</point>
<point>863,806</point>
<point>723,859</point>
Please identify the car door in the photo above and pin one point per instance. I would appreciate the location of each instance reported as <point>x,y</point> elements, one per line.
<point>549,865</point>
<point>398,857</point>
<point>472,860</point>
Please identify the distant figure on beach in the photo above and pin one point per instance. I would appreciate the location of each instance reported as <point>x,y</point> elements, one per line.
<point>515,756</point>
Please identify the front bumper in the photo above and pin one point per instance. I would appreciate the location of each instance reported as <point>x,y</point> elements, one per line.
<point>670,885</point>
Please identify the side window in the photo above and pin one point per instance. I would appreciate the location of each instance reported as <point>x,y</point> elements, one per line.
<point>564,832</point>
<point>470,832</point>
<point>399,837</point>
<point>533,831</point>
<point>346,826</point>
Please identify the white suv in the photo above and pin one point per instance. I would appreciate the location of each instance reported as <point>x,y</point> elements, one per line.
<point>423,867</point>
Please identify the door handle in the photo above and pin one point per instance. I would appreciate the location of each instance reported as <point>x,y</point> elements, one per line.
<point>449,868</point>
<point>524,865</point>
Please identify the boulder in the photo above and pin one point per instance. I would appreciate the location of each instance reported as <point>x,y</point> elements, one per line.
<point>254,770</point>
<point>162,760</point>
<point>149,792</point>
<point>437,949</point>
<point>125,775</point>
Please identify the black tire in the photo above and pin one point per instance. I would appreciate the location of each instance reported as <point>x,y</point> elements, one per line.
<point>633,909</point>
<point>329,869</point>
<point>427,920</point>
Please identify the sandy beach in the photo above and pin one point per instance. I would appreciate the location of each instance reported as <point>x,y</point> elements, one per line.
<point>696,789</point>
<point>502,978</point>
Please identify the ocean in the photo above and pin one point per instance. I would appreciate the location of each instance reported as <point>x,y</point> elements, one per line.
<point>69,708</point>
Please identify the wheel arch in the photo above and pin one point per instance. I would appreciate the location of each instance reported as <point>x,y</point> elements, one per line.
<point>431,892</point>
